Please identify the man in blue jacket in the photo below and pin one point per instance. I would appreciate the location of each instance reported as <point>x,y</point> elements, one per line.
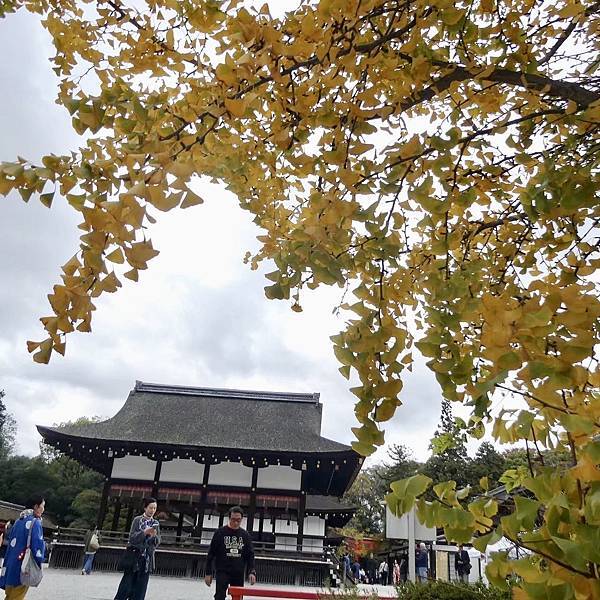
<point>422,562</point>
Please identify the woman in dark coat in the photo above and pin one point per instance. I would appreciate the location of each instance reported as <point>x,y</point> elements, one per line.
<point>145,537</point>
<point>4,537</point>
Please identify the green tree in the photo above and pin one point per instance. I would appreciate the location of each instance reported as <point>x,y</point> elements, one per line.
<point>450,460</point>
<point>8,429</point>
<point>21,477</point>
<point>85,507</point>
<point>488,462</point>
<point>400,464</point>
<point>367,494</point>
<point>368,491</point>
<point>72,479</point>
<point>439,160</point>
<point>59,478</point>
<point>49,453</point>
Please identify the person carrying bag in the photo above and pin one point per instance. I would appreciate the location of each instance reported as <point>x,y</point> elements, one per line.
<point>137,562</point>
<point>22,567</point>
<point>31,571</point>
<point>92,544</point>
<point>130,560</point>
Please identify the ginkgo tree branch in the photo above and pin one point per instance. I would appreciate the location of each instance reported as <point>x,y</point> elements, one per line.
<point>472,224</point>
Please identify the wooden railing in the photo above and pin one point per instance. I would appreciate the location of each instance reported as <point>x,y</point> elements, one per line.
<point>186,557</point>
<point>182,543</point>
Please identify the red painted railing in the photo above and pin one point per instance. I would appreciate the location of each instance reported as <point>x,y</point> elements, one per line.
<point>237,593</point>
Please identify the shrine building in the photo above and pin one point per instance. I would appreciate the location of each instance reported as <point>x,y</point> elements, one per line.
<point>200,451</point>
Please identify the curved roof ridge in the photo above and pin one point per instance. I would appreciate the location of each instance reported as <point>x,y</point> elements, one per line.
<point>184,390</point>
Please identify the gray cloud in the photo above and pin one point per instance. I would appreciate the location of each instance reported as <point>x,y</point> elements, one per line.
<point>197,317</point>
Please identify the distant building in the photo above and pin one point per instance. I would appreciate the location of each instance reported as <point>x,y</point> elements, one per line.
<point>201,450</point>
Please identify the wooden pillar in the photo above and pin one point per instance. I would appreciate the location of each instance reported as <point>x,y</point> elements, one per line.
<point>129,517</point>
<point>103,504</point>
<point>301,510</point>
<point>252,505</point>
<point>261,523</point>
<point>180,525</point>
<point>156,479</point>
<point>116,515</point>
<point>203,494</point>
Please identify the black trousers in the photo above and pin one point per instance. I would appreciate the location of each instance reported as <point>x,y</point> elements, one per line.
<point>224,580</point>
<point>133,585</point>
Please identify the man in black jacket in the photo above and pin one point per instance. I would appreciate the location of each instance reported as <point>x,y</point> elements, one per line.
<point>230,555</point>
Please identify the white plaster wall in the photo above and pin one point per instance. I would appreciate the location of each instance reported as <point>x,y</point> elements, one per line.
<point>134,467</point>
<point>228,473</point>
<point>281,526</point>
<point>267,525</point>
<point>314,525</point>
<point>182,470</point>
<point>279,477</point>
<point>312,545</point>
<point>285,543</point>
<point>207,536</point>
<point>210,521</point>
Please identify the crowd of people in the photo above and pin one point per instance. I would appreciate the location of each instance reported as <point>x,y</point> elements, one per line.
<point>229,561</point>
<point>395,571</point>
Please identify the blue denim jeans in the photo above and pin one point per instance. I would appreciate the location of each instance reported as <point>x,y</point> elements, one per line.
<point>88,562</point>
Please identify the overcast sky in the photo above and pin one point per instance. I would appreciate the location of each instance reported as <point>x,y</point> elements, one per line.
<point>197,317</point>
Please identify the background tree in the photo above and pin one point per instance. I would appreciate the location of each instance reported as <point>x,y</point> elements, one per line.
<point>438,160</point>
<point>70,489</point>
<point>399,464</point>
<point>21,477</point>
<point>367,493</point>
<point>8,429</point>
<point>50,454</point>
<point>450,460</point>
<point>487,462</point>
<point>85,506</point>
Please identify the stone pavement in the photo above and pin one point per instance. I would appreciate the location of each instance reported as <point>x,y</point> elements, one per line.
<point>64,584</point>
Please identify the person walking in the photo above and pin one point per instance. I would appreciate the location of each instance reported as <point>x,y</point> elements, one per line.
<point>383,572</point>
<point>230,555</point>
<point>346,567</point>
<point>4,541</point>
<point>26,530</point>
<point>462,564</point>
<point>356,570</point>
<point>144,537</point>
<point>422,562</point>
<point>404,568</point>
<point>92,543</point>
<point>396,573</point>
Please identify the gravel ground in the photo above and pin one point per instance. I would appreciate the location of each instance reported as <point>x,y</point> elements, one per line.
<point>62,584</point>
